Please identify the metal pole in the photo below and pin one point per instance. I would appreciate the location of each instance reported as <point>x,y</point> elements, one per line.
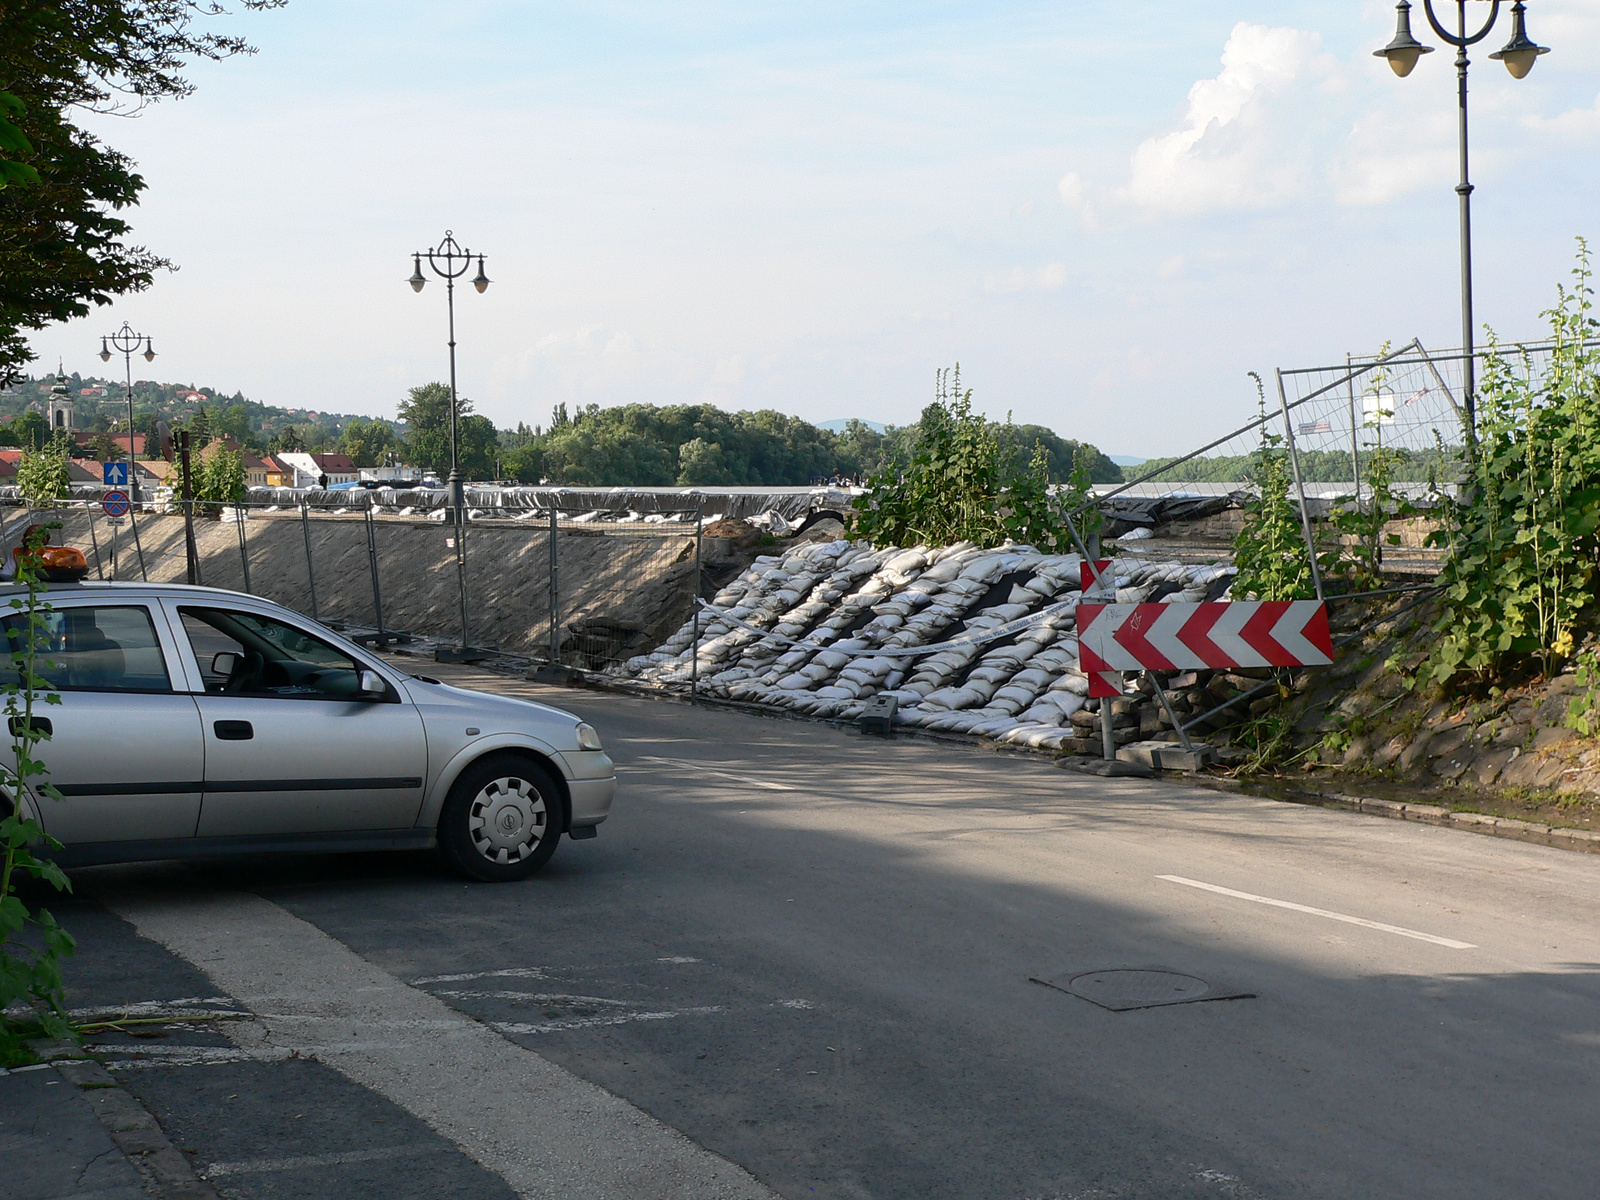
<point>133,474</point>
<point>372,561</point>
<point>191,553</point>
<point>1299,486</point>
<point>1464,191</point>
<point>133,523</point>
<point>311,571</point>
<point>455,460</point>
<point>555,590</point>
<point>694,646</point>
<point>1108,735</point>
<point>244,546</point>
<point>113,550</point>
<point>461,576</point>
<point>1355,429</point>
<point>94,541</point>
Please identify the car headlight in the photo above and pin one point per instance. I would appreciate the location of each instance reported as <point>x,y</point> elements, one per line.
<point>588,739</point>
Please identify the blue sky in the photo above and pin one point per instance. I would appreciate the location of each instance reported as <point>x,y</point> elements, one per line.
<point>1107,213</point>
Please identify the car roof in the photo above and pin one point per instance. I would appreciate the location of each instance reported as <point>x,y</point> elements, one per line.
<point>120,587</point>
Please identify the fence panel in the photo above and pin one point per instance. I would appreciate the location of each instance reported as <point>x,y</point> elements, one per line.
<point>623,584</point>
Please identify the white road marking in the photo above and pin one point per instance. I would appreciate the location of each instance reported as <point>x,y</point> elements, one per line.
<point>159,1008</point>
<point>689,764</point>
<point>1322,912</point>
<point>599,1022</point>
<point>463,1079</point>
<point>508,973</point>
<point>535,997</point>
<point>256,1166</point>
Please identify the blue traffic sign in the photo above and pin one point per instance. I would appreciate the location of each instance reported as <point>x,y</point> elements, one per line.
<point>116,474</point>
<point>115,503</point>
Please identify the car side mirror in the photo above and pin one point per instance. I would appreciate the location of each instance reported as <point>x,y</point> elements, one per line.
<point>225,664</point>
<point>372,685</point>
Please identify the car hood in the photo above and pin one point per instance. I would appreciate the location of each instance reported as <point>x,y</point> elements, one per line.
<point>482,704</point>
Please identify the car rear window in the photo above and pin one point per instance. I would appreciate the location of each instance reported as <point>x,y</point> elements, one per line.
<point>100,648</point>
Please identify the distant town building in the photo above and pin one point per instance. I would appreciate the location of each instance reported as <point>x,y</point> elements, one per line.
<point>92,391</point>
<point>309,469</point>
<point>59,411</point>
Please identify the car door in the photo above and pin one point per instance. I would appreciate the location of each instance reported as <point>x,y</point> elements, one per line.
<point>124,746</point>
<point>292,744</point>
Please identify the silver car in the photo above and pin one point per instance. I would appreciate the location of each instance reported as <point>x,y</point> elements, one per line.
<point>196,722</point>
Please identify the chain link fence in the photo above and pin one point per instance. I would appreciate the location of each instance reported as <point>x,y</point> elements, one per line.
<point>575,587</point>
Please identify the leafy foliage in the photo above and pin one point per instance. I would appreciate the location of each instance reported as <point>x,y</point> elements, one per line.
<point>1521,569</point>
<point>63,245</point>
<point>31,942</point>
<point>426,410</point>
<point>42,475</point>
<point>961,484</point>
<point>220,479</point>
<point>1270,551</point>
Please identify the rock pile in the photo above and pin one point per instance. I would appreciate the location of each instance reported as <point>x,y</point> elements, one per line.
<point>967,640</point>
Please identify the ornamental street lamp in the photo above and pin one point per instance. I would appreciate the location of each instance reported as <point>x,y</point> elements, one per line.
<point>127,342</point>
<point>442,260</point>
<point>1519,55</point>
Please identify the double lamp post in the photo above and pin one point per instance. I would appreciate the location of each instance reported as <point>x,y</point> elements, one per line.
<point>443,261</point>
<point>126,342</point>
<point>1518,55</point>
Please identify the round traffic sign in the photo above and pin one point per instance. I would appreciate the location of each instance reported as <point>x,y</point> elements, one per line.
<point>116,504</point>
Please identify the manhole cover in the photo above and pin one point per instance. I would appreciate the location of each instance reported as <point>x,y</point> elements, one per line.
<point>1123,988</point>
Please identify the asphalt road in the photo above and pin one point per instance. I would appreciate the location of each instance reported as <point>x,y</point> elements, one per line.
<point>812,955</point>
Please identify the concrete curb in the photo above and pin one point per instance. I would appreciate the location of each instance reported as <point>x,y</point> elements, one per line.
<point>1584,840</point>
<point>137,1134</point>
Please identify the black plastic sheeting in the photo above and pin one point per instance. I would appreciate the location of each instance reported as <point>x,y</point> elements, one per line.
<point>1149,512</point>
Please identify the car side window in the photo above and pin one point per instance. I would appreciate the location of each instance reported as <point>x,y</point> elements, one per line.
<point>100,648</point>
<point>247,654</point>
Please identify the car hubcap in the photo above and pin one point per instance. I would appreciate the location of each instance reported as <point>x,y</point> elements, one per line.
<point>507,820</point>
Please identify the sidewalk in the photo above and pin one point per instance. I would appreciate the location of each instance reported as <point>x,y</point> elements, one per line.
<point>67,1132</point>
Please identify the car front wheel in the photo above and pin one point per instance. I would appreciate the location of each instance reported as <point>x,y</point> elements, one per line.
<point>502,819</point>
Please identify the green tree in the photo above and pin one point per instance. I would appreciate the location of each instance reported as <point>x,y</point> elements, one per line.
<point>220,478</point>
<point>426,413</point>
<point>42,475</point>
<point>63,245</point>
<point>962,484</point>
<point>105,449</point>
<point>368,442</point>
<point>30,430</point>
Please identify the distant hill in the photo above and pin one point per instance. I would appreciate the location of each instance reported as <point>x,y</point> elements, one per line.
<point>1123,460</point>
<point>837,426</point>
<point>102,404</point>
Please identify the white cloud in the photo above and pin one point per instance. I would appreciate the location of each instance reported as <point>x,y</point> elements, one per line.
<point>1229,151</point>
<point>1574,123</point>
<point>1388,154</point>
<point>1022,279</point>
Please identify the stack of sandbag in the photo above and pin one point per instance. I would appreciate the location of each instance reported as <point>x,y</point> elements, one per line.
<point>823,628</point>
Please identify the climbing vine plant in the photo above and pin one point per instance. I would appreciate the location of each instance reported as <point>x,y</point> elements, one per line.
<point>32,944</point>
<point>1524,545</point>
<point>960,485</point>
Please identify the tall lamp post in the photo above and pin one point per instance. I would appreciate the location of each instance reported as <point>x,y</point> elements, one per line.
<point>442,261</point>
<point>1519,55</point>
<point>127,342</point>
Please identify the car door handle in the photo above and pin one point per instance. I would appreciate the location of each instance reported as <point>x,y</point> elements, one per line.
<point>40,725</point>
<point>233,731</point>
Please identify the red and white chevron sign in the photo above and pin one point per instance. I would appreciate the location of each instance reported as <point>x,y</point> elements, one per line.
<point>1216,634</point>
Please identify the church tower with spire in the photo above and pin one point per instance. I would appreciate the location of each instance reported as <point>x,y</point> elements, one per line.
<point>59,412</point>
